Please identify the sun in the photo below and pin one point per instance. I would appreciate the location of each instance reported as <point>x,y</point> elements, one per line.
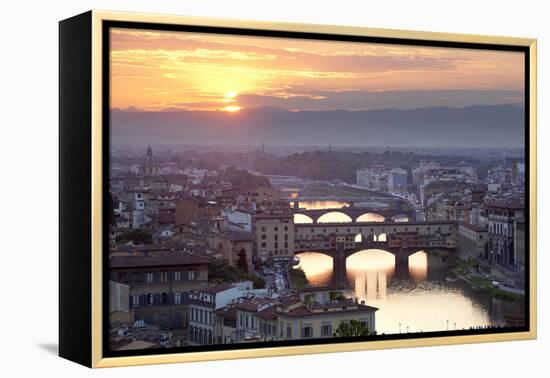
<point>230,95</point>
<point>229,98</point>
<point>232,108</point>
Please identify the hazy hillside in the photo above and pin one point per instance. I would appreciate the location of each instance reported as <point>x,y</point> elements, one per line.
<point>475,126</point>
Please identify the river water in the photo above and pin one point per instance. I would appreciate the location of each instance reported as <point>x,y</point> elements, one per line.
<point>421,301</point>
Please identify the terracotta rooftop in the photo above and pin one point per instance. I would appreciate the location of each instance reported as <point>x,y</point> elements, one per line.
<point>505,204</point>
<point>253,304</point>
<point>217,288</point>
<point>160,258</point>
<point>268,313</point>
<point>304,310</point>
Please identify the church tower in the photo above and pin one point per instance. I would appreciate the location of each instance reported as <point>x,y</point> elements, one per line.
<point>149,164</point>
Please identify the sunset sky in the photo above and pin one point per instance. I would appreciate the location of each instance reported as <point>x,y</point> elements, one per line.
<point>188,71</point>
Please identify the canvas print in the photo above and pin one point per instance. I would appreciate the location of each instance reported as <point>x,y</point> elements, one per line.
<point>282,191</point>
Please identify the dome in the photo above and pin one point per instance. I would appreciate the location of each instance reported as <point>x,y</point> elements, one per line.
<point>149,163</point>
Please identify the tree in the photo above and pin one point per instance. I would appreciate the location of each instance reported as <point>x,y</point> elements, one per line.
<point>242,263</point>
<point>351,329</point>
<point>221,271</point>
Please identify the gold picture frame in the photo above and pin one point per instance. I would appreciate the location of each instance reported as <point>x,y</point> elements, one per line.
<point>90,268</point>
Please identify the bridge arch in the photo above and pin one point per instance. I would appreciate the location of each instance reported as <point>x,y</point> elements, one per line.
<point>401,217</point>
<point>370,217</point>
<point>302,218</point>
<point>418,265</point>
<point>334,217</point>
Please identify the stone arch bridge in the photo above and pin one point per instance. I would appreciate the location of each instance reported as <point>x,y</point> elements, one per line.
<point>341,240</point>
<point>355,214</point>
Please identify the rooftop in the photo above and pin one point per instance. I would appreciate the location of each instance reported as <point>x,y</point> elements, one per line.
<point>158,258</point>
<point>217,288</point>
<point>313,289</point>
<point>255,304</point>
<point>473,227</point>
<point>505,204</point>
<point>320,309</point>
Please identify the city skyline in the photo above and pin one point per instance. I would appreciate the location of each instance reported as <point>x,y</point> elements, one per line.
<point>408,217</point>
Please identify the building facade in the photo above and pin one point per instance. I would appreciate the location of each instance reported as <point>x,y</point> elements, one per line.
<point>502,215</point>
<point>472,241</point>
<point>274,232</point>
<point>159,283</point>
<point>203,306</point>
<point>298,321</point>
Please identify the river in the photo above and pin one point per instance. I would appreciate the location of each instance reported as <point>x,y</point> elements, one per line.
<point>423,300</point>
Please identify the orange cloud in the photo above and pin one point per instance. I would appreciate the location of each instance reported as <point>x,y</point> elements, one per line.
<point>157,70</point>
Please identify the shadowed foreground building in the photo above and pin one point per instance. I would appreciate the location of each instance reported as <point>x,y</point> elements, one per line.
<point>159,283</point>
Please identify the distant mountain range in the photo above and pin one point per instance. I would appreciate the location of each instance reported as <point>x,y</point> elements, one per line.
<point>473,126</point>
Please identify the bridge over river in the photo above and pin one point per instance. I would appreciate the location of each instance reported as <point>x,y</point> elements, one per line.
<point>351,214</point>
<point>341,240</point>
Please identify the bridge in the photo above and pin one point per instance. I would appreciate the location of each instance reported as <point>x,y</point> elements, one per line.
<point>341,240</point>
<point>351,214</point>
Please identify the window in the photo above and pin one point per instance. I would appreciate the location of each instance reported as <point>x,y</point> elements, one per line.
<point>149,277</point>
<point>288,332</point>
<point>163,276</point>
<point>276,228</point>
<point>150,299</point>
<point>263,228</point>
<point>177,297</point>
<point>307,331</point>
<point>135,300</point>
<point>326,330</point>
<point>286,228</point>
<point>191,275</point>
<point>264,237</point>
<point>177,276</point>
<point>263,245</point>
<point>286,236</point>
